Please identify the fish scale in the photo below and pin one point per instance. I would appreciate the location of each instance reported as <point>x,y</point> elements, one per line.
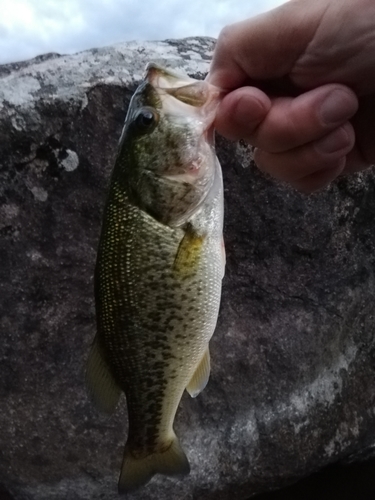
<point>157,285</point>
<point>129,292</point>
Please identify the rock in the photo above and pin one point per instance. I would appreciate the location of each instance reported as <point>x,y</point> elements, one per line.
<point>293,375</point>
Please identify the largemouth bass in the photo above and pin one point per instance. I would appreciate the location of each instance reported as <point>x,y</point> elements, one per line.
<point>159,269</point>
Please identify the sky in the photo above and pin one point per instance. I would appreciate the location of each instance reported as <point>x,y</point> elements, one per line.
<point>32,27</point>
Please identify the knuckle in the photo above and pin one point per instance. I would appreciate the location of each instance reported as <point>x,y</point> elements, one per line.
<point>225,35</point>
<point>228,38</point>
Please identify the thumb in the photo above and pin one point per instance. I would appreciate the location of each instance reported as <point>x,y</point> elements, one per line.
<point>241,112</point>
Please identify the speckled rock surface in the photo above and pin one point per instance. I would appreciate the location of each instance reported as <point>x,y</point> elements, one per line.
<point>293,377</point>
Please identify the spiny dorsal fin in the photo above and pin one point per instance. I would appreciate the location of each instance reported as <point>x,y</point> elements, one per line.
<point>201,375</point>
<point>189,253</point>
<point>99,381</point>
<point>136,472</point>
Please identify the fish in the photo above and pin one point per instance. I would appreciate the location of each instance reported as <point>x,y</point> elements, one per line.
<point>159,269</point>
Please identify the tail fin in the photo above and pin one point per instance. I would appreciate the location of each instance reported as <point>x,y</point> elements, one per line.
<point>136,472</point>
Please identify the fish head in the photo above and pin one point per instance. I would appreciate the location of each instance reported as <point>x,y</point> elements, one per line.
<point>166,157</point>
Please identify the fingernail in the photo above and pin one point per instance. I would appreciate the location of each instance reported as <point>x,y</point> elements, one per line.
<point>336,141</point>
<point>337,107</point>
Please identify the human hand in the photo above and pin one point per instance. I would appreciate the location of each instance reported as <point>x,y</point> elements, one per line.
<point>301,88</point>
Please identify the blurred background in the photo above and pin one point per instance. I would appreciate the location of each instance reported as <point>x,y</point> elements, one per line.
<point>32,27</point>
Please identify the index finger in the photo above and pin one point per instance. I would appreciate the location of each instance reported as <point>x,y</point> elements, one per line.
<point>263,47</point>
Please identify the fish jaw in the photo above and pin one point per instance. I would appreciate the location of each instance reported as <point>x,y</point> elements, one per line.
<point>193,103</point>
<point>195,98</point>
<point>161,77</point>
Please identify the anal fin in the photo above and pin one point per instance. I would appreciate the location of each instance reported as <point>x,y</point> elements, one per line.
<point>201,375</point>
<point>223,257</point>
<point>99,381</point>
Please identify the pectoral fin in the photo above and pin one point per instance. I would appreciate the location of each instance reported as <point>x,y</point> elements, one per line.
<point>99,381</point>
<point>201,375</point>
<point>189,253</point>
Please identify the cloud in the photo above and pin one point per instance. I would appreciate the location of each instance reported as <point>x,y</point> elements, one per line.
<point>29,28</point>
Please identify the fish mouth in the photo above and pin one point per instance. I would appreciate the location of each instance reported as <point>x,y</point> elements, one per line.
<point>160,77</point>
<point>198,97</point>
<point>192,173</point>
<point>196,101</point>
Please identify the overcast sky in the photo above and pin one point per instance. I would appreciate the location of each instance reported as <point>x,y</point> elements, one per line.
<point>32,27</point>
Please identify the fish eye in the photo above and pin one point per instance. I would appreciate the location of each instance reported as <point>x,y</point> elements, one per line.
<point>146,120</point>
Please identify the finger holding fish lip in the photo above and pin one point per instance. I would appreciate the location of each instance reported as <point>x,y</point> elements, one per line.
<point>283,123</point>
<point>241,112</point>
<point>303,140</point>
